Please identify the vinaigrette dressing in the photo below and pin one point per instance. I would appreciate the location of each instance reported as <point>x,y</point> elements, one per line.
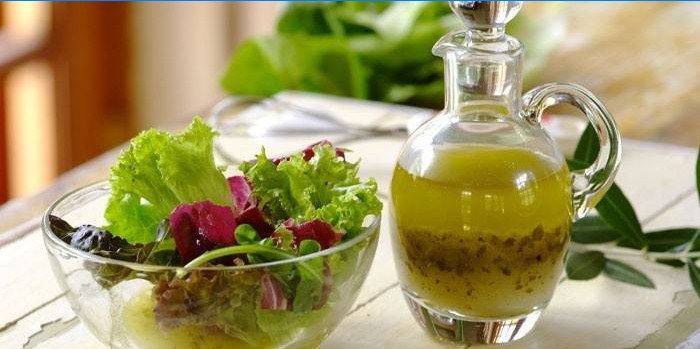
<point>144,332</point>
<point>481,230</point>
<point>482,199</point>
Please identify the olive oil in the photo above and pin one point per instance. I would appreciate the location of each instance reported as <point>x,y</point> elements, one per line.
<point>481,230</point>
<point>142,329</point>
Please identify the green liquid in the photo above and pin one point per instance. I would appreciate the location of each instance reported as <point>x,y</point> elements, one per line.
<point>481,231</point>
<point>143,331</point>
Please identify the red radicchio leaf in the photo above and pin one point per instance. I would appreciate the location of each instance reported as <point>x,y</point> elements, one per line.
<point>309,152</point>
<point>255,218</point>
<point>315,229</point>
<point>201,226</point>
<point>327,284</point>
<point>242,192</point>
<point>248,212</point>
<point>272,294</point>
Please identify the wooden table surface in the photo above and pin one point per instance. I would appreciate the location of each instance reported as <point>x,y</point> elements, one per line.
<point>658,179</point>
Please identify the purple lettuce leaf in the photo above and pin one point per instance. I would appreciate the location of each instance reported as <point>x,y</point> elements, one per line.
<point>201,227</point>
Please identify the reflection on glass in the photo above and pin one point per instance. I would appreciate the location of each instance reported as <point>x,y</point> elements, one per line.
<point>527,189</point>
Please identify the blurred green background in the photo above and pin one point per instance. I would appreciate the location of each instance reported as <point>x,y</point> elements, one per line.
<point>377,51</point>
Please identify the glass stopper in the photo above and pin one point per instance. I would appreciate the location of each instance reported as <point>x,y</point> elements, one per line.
<point>487,17</point>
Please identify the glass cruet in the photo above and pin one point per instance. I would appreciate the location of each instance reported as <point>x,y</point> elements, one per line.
<point>482,199</point>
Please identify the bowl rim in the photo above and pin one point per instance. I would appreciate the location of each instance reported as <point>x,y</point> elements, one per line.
<point>52,241</point>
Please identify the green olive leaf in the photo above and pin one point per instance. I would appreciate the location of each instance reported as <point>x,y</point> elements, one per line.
<point>671,262</point>
<point>592,230</point>
<point>617,211</point>
<point>664,240</point>
<point>620,271</point>
<point>695,241</point>
<point>614,208</point>
<point>584,265</point>
<point>694,276</point>
<point>587,148</point>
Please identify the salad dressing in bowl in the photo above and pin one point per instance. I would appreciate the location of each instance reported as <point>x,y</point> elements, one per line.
<point>145,332</point>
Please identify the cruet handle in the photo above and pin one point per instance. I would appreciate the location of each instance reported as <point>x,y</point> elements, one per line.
<point>588,184</point>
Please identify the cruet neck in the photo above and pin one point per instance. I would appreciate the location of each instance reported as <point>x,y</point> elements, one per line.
<point>482,62</point>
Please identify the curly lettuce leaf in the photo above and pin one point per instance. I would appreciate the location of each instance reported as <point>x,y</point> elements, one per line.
<point>132,220</point>
<point>187,167</point>
<point>136,173</point>
<point>157,173</point>
<point>270,187</point>
<point>324,187</point>
<point>350,205</point>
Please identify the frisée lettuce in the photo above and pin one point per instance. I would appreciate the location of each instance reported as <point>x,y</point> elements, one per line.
<point>317,183</point>
<point>158,172</point>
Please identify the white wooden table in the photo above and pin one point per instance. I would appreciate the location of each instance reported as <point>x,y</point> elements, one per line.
<point>658,179</point>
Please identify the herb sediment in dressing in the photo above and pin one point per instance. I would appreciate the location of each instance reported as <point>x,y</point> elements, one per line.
<point>481,230</point>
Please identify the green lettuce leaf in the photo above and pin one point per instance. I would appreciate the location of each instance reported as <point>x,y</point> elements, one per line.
<point>239,320</point>
<point>264,66</point>
<point>243,318</point>
<point>350,206</point>
<point>325,187</point>
<point>365,49</point>
<point>132,220</point>
<point>285,326</point>
<point>309,290</point>
<point>136,172</point>
<point>271,188</point>
<point>158,172</point>
<point>259,53</point>
<point>187,167</point>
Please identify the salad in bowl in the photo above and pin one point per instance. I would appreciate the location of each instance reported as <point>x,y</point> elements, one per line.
<point>171,252</point>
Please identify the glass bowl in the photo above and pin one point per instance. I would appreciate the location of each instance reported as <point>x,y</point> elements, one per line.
<point>131,305</point>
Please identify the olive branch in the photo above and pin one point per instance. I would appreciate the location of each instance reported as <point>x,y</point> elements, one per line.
<point>616,232</point>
